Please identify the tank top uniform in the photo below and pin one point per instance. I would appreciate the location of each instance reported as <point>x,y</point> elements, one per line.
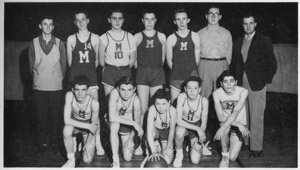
<point>82,112</point>
<point>228,103</point>
<point>83,61</point>
<point>159,123</point>
<point>117,50</point>
<point>184,63</point>
<point>125,111</point>
<point>192,114</point>
<point>149,51</point>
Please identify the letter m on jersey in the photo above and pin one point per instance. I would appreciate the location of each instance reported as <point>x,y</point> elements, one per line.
<point>119,52</point>
<point>84,57</point>
<point>183,46</point>
<point>150,44</point>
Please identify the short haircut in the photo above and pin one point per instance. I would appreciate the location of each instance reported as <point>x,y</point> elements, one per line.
<point>248,15</point>
<point>227,73</point>
<point>218,6</point>
<point>46,16</point>
<point>161,94</point>
<point>80,12</point>
<point>116,11</point>
<point>125,80</point>
<point>192,78</point>
<point>80,80</point>
<point>180,10</point>
<point>148,11</point>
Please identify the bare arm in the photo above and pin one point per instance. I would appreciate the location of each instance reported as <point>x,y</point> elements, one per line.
<point>173,113</point>
<point>163,40</point>
<point>170,44</point>
<point>196,41</point>
<point>102,48</point>
<point>204,114</point>
<point>70,45</point>
<point>96,43</point>
<point>150,128</point>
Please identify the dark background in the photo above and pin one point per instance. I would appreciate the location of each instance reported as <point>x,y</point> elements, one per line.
<point>276,20</point>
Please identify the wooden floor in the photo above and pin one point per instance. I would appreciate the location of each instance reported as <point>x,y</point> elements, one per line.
<point>280,140</point>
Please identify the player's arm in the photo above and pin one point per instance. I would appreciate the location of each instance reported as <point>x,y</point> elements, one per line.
<point>113,116</point>
<point>95,114</point>
<point>102,47</point>
<point>196,41</point>
<point>67,114</point>
<point>171,40</point>
<point>138,114</point>
<point>231,118</point>
<point>173,114</point>
<point>96,43</point>
<point>150,129</point>
<point>138,39</point>
<point>162,38</point>
<point>70,45</point>
<point>180,121</point>
<point>132,53</point>
<point>204,114</point>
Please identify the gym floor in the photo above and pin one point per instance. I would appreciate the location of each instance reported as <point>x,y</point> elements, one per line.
<point>280,139</point>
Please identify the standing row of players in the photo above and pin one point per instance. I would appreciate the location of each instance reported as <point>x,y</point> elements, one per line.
<point>117,51</point>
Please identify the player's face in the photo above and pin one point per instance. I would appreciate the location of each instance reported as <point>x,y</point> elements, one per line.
<point>249,25</point>
<point>116,20</point>
<point>229,84</point>
<point>161,105</point>
<point>81,21</point>
<point>149,21</point>
<point>47,26</point>
<point>181,20</point>
<point>80,92</point>
<point>213,16</point>
<point>192,89</point>
<point>126,91</point>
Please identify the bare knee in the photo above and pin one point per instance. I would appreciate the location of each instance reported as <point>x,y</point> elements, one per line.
<point>68,131</point>
<point>232,157</point>
<point>127,156</point>
<point>179,132</point>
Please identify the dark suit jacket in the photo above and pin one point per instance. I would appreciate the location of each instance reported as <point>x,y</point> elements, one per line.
<point>261,64</point>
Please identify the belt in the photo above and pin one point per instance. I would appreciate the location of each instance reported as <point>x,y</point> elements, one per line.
<point>213,59</point>
<point>108,65</point>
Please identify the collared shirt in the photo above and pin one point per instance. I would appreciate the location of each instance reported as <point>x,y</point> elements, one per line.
<point>46,47</point>
<point>249,37</point>
<point>215,42</point>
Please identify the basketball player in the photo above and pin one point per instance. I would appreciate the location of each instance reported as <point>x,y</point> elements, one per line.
<point>161,123</point>
<point>229,102</point>
<point>81,113</point>
<point>150,59</point>
<point>124,119</point>
<point>117,52</point>
<point>183,53</point>
<point>82,50</point>
<point>192,109</point>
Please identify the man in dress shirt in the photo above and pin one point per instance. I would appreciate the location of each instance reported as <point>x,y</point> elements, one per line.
<point>215,51</point>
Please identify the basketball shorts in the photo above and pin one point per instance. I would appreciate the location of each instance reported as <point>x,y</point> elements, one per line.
<point>111,74</point>
<point>150,76</point>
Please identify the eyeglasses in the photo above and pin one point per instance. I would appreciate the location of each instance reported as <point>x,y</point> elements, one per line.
<point>210,14</point>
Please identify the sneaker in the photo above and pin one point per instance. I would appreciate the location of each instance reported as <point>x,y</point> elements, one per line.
<point>224,162</point>
<point>69,164</point>
<point>115,164</point>
<point>178,160</point>
<point>100,150</point>
<point>138,151</point>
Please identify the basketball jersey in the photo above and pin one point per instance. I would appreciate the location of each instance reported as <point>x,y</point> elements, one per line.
<point>149,51</point>
<point>158,123</point>
<point>228,103</point>
<point>47,74</point>
<point>184,62</point>
<point>82,112</point>
<point>83,61</point>
<point>125,111</point>
<point>190,114</point>
<point>118,48</point>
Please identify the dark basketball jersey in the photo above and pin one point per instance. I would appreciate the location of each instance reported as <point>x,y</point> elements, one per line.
<point>83,61</point>
<point>184,62</point>
<point>149,51</point>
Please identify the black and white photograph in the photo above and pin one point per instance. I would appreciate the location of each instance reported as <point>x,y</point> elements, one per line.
<point>149,84</point>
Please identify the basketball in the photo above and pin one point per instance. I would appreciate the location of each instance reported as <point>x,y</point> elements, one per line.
<point>156,164</point>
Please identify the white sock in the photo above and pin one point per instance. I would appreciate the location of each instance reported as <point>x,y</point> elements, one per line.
<point>71,156</point>
<point>225,154</point>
